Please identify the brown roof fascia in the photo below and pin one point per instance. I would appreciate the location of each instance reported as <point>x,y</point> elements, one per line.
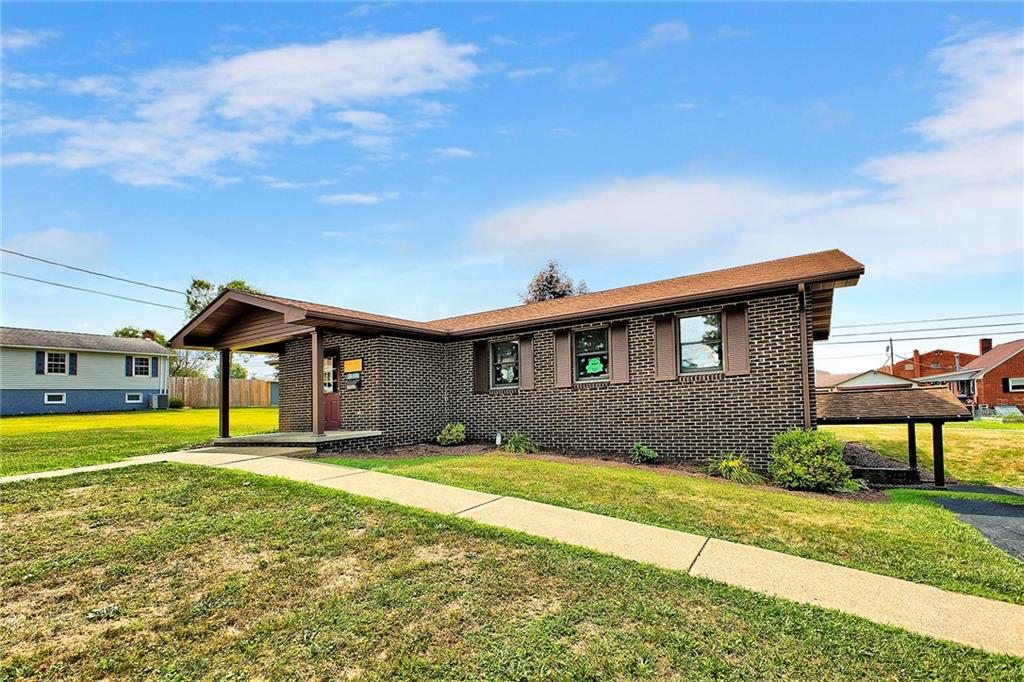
<point>291,313</point>
<point>647,306</point>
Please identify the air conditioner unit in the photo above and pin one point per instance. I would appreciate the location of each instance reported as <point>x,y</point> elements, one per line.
<point>159,401</point>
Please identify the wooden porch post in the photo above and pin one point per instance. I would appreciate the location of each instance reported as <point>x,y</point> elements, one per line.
<point>912,445</point>
<point>317,388</point>
<point>937,455</point>
<point>225,393</point>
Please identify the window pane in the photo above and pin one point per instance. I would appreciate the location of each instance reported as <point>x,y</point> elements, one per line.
<point>700,356</point>
<point>592,366</point>
<point>142,366</point>
<point>506,374</point>
<point>592,341</point>
<point>700,329</point>
<point>56,363</point>
<point>507,351</point>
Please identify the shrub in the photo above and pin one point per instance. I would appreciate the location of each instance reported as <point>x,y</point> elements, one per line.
<point>641,454</point>
<point>175,403</point>
<point>731,466</point>
<point>519,443</point>
<point>1013,419</point>
<point>808,460</point>
<point>452,434</point>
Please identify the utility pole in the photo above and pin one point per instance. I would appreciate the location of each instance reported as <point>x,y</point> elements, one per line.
<point>892,358</point>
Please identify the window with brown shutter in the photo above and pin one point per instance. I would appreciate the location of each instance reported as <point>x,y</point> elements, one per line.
<point>737,341</point>
<point>525,363</point>
<point>481,367</point>
<point>665,367</point>
<point>620,354</point>
<point>563,360</point>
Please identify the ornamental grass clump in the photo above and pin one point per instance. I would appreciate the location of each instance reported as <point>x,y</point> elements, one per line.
<point>809,460</point>
<point>452,434</point>
<point>520,443</point>
<point>641,454</point>
<point>732,467</point>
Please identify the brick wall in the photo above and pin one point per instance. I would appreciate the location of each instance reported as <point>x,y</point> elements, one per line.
<point>412,387</point>
<point>695,417</point>
<point>989,388</point>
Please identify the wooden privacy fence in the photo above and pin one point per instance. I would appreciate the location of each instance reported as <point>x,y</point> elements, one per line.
<point>200,392</point>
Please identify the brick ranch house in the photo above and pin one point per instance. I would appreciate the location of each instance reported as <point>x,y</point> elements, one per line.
<point>994,378</point>
<point>694,366</point>
<point>925,364</point>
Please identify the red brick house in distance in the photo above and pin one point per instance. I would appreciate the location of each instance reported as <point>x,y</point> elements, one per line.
<point>936,361</point>
<point>994,378</point>
<point>695,366</point>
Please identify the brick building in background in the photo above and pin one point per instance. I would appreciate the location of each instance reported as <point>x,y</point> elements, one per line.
<point>994,378</point>
<point>925,364</point>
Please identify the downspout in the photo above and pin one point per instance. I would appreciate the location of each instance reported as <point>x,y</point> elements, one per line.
<point>804,362</point>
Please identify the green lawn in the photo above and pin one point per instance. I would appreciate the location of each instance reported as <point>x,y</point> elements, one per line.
<point>175,572</point>
<point>980,452</point>
<point>906,536</point>
<point>57,441</point>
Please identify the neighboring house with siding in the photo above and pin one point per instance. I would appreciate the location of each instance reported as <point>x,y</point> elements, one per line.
<point>994,378</point>
<point>859,380</point>
<point>44,372</point>
<point>694,366</point>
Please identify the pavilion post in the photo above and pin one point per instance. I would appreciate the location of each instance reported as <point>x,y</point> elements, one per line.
<point>937,455</point>
<point>225,393</point>
<point>317,387</point>
<point>912,445</point>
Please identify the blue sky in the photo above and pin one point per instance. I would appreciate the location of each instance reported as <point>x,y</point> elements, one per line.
<point>422,160</point>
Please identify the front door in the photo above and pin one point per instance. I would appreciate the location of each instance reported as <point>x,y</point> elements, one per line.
<point>332,408</point>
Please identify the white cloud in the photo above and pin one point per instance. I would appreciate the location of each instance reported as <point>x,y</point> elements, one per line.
<point>17,39</point>
<point>336,234</point>
<point>953,203</point>
<point>519,74</point>
<point>665,33</point>
<point>357,198</point>
<point>56,241</point>
<point>503,41</point>
<point>454,152</point>
<point>366,120</point>
<point>727,32</point>
<point>825,116</point>
<point>187,122</point>
<point>277,183</point>
<point>685,106</point>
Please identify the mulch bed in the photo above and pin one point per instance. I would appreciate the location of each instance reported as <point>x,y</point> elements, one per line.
<point>859,455</point>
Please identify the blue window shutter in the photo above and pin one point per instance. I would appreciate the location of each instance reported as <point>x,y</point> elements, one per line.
<point>40,362</point>
<point>127,365</point>
<point>72,364</point>
<point>154,367</point>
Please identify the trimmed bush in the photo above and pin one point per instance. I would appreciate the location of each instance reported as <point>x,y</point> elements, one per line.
<point>808,460</point>
<point>641,454</point>
<point>733,468</point>
<point>519,443</point>
<point>175,403</point>
<point>452,434</point>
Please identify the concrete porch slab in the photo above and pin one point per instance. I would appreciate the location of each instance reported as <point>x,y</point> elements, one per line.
<point>435,497</point>
<point>984,623</point>
<point>662,547</point>
<point>296,438</point>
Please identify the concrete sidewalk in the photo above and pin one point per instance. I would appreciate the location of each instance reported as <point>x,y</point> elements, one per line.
<point>983,623</point>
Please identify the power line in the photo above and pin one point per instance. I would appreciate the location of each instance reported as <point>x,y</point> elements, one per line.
<point>91,291</point>
<point>918,338</point>
<point>91,272</point>
<point>937,319</point>
<point>935,329</point>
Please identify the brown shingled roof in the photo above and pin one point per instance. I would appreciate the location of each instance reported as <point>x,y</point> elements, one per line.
<point>890,405</point>
<point>819,266</point>
<point>995,357</point>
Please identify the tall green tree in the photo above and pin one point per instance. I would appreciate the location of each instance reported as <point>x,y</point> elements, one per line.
<point>237,372</point>
<point>201,292</point>
<point>550,283</point>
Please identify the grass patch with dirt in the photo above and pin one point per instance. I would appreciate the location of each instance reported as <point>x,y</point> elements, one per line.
<point>903,535</point>
<point>176,572</point>
<point>975,452</point>
<point>58,441</point>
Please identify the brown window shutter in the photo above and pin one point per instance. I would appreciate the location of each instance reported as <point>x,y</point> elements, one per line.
<point>666,367</point>
<point>525,363</point>
<point>481,367</point>
<point>563,360</point>
<point>619,340</point>
<point>737,341</point>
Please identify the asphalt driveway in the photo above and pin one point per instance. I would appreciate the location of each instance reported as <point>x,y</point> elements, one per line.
<point>1002,524</point>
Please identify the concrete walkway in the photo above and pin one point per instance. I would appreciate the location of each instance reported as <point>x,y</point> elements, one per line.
<point>983,623</point>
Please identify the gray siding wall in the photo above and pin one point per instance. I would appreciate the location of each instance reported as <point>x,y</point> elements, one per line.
<point>95,371</point>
